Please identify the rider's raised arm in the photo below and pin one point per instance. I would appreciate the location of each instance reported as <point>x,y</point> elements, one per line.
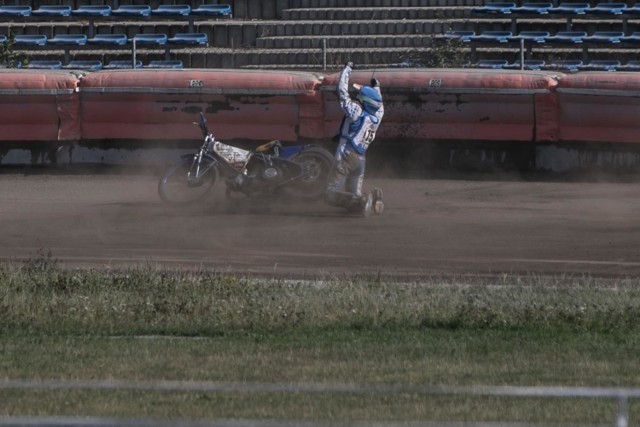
<point>350,108</point>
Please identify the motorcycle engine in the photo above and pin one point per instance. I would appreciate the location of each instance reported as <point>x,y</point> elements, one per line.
<point>271,173</point>
<point>258,178</point>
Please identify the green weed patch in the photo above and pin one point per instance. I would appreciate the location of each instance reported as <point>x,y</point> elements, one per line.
<point>41,297</point>
<point>150,324</point>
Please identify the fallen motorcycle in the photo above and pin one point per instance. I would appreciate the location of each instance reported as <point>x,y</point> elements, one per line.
<point>271,170</point>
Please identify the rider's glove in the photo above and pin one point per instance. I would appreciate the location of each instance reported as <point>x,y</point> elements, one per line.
<point>375,83</point>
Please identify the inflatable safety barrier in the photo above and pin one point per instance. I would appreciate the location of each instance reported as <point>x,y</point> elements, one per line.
<point>455,104</point>
<point>420,104</point>
<point>162,104</point>
<point>599,106</point>
<point>39,106</point>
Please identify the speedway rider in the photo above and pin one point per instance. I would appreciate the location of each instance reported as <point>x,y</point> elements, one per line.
<point>357,131</point>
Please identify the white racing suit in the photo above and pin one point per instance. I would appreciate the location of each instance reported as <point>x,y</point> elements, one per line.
<point>357,131</point>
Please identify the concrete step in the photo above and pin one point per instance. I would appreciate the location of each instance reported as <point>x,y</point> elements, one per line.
<point>259,9</point>
<point>237,34</point>
<point>368,13</point>
<point>335,58</point>
<point>359,28</point>
<point>433,26</point>
<point>315,57</point>
<point>378,41</point>
<point>237,58</point>
<point>308,4</point>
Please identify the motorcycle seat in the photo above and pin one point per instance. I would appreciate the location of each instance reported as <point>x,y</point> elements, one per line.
<point>268,146</point>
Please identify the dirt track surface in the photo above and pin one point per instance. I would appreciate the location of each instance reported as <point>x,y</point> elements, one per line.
<point>428,227</point>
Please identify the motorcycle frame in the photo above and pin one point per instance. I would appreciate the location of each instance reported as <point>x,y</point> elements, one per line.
<point>206,152</point>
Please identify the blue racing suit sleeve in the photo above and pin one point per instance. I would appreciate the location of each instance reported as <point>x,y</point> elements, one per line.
<point>351,109</point>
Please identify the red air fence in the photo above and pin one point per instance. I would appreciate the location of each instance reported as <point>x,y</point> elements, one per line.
<point>454,104</point>
<point>163,104</point>
<point>36,106</point>
<point>420,104</point>
<point>599,107</point>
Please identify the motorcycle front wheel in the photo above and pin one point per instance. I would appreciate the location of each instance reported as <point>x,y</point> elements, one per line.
<point>316,164</point>
<point>180,185</point>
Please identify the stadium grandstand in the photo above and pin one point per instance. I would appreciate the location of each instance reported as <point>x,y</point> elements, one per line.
<point>320,34</point>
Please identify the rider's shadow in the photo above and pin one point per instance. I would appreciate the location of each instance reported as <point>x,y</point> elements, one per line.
<point>270,207</point>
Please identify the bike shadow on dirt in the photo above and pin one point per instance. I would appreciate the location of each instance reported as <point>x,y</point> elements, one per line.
<point>256,206</point>
<point>279,208</point>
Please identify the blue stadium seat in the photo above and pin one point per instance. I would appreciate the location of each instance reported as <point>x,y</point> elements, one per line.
<point>635,9</point>
<point>571,8</point>
<point>15,11</point>
<point>3,38</point>
<point>84,65</point>
<point>534,8</point>
<point>172,10</point>
<point>605,37</point>
<point>601,65</point>
<point>132,10</point>
<point>212,10</point>
<point>150,39</point>
<point>632,38</point>
<point>630,66</point>
<point>609,8</point>
<point>504,8</point>
<point>50,11</point>
<point>120,65</point>
<point>531,36</point>
<point>529,64</point>
<point>165,64</point>
<point>493,37</point>
<point>567,37</point>
<point>31,40</point>
<point>92,10</point>
<point>564,64</point>
<point>491,63</point>
<point>189,38</point>
<point>45,65</point>
<point>109,39</point>
<point>463,36</point>
<point>68,39</point>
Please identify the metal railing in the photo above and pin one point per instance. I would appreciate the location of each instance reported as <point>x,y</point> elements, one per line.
<point>621,395</point>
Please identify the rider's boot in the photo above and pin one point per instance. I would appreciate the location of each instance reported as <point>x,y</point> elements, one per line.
<point>360,205</point>
<point>366,204</point>
<point>378,204</point>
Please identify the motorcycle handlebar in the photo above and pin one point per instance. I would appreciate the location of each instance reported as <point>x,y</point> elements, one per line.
<point>203,124</point>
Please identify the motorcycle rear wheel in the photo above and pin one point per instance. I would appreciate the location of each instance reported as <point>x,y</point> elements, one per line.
<point>177,189</point>
<point>316,164</point>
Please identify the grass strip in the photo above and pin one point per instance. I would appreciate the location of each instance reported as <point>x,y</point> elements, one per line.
<point>39,297</point>
<point>151,324</point>
<point>330,408</point>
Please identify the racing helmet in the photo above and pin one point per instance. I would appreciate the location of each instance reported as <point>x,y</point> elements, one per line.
<point>369,97</point>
